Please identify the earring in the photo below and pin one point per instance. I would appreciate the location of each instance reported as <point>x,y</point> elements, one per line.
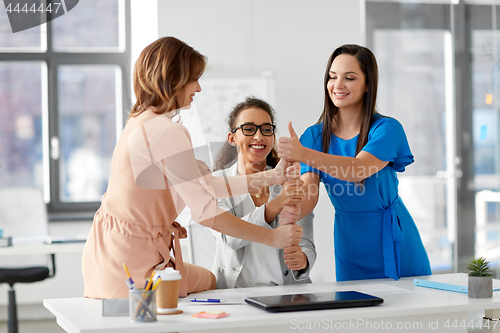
<point>232,143</point>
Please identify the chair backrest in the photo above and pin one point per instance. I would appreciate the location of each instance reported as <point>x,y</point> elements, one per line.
<point>202,245</point>
<point>23,215</point>
<point>201,241</point>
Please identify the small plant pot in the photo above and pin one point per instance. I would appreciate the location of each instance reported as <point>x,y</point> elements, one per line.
<point>480,287</point>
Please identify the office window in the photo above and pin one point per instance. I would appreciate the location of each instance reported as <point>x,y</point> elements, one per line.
<point>439,75</point>
<point>412,43</point>
<point>21,152</point>
<point>412,89</point>
<point>485,105</point>
<point>65,93</point>
<point>32,40</point>
<point>104,34</point>
<point>88,129</point>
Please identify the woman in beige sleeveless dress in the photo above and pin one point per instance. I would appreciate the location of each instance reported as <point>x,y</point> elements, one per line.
<point>154,175</point>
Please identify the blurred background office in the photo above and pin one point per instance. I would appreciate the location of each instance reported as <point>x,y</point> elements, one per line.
<point>66,93</point>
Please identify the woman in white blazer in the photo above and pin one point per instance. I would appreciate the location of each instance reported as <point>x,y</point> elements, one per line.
<point>250,149</point>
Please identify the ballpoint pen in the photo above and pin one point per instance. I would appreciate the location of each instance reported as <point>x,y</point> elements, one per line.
<point>156,284</point>
<point>150,282</point>
<point>207,300</point>
<point>129,276</point>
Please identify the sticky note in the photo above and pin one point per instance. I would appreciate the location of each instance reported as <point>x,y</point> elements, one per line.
<point>215,313</point>
<point>211,314</point>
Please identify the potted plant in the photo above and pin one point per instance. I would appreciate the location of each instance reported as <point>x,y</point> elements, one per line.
<point>480,280</point>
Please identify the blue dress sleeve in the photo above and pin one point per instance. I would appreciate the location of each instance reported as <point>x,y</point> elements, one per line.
<point>311,139</point>
<point>387,141</point>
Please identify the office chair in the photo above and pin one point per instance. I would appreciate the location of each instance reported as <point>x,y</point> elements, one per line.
<point>200,240</point>
<point>23,215</point>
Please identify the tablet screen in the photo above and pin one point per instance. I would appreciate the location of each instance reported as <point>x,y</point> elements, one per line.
<point>313,301</point>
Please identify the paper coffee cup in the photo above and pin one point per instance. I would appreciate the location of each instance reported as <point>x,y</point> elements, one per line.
<point>167,293</point>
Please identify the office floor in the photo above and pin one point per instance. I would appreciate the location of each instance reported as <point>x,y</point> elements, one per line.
<point>34,326</point>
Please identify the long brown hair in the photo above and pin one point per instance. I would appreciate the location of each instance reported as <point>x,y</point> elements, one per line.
<point>163,68</point>
<point>369,67</point>
<point>229,154</point>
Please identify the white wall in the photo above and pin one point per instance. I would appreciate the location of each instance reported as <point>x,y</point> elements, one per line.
<point>292,39</point>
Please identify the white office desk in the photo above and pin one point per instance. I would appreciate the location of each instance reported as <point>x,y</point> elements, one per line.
<point>41,248</point>
<point>416,310</point>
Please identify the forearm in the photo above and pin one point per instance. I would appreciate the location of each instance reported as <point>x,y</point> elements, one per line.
<point>231,225</point>
<point>351,169</point>
<point>310,201</point>
<point>256,217</point>
<point>273,209</point>
<point>260,180</point>
<point>238,185</point>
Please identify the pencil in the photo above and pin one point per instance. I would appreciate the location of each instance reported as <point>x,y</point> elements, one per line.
<point>126,270</point>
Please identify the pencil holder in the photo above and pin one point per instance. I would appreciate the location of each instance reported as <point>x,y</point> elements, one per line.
<point>142,305</point>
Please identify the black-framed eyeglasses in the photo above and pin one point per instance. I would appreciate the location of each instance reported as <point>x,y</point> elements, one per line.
<point>251,129</point>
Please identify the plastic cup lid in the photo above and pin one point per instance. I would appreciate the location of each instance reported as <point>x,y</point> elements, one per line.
<point>168,274</point>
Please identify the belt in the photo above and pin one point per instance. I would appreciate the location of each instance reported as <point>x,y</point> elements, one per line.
<point>392,235</point>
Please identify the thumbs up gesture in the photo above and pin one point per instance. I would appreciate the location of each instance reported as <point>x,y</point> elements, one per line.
<point>290,148</point>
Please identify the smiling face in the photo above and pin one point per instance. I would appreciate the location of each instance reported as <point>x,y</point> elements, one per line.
<point>255,148</point>
<point>346,85</point>
<point>186,94</point>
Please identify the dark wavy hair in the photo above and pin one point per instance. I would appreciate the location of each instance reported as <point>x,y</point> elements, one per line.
<point>163,68</point>
<point>369,67</point>
<point>229,154</point>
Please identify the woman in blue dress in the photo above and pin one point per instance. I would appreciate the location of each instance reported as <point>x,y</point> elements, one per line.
<point>356,152</point>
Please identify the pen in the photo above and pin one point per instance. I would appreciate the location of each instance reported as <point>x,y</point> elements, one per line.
<point>150,282</point>
<point>207,300</point>
<point>157,283</point>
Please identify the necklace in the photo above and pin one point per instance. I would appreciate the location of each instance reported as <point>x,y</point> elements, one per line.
<point>258,197</point>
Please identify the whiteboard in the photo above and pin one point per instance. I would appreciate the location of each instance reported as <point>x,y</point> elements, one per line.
<point>206,120</point>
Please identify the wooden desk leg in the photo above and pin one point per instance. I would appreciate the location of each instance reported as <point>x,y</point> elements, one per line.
<point>491,320</point>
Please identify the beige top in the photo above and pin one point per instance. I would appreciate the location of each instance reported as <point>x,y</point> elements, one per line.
<point>154,174</point>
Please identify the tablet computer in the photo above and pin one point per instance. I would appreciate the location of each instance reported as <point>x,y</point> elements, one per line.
<point>313,301</point>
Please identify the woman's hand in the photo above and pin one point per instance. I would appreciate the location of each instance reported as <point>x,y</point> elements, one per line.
<point>286,235</point>
<point>293,171</point>
<point>289,215</point>
<point>285,171</point>
<point>290,148</point>
<point>280,171</point>
<point>292,193</point>
<point>295,259</point>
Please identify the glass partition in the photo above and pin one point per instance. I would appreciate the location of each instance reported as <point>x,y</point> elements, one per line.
<point>412,44</point>
<point>440,76</point>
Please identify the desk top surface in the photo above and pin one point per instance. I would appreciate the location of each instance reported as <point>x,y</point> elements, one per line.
<point>41,248</point>
<point>85,315</point>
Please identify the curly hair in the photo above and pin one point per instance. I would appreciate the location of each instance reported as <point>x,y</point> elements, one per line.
<point>229,154</point>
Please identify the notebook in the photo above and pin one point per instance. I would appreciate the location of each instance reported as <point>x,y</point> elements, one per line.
<point>449,282</point>
<point>313,301</point>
